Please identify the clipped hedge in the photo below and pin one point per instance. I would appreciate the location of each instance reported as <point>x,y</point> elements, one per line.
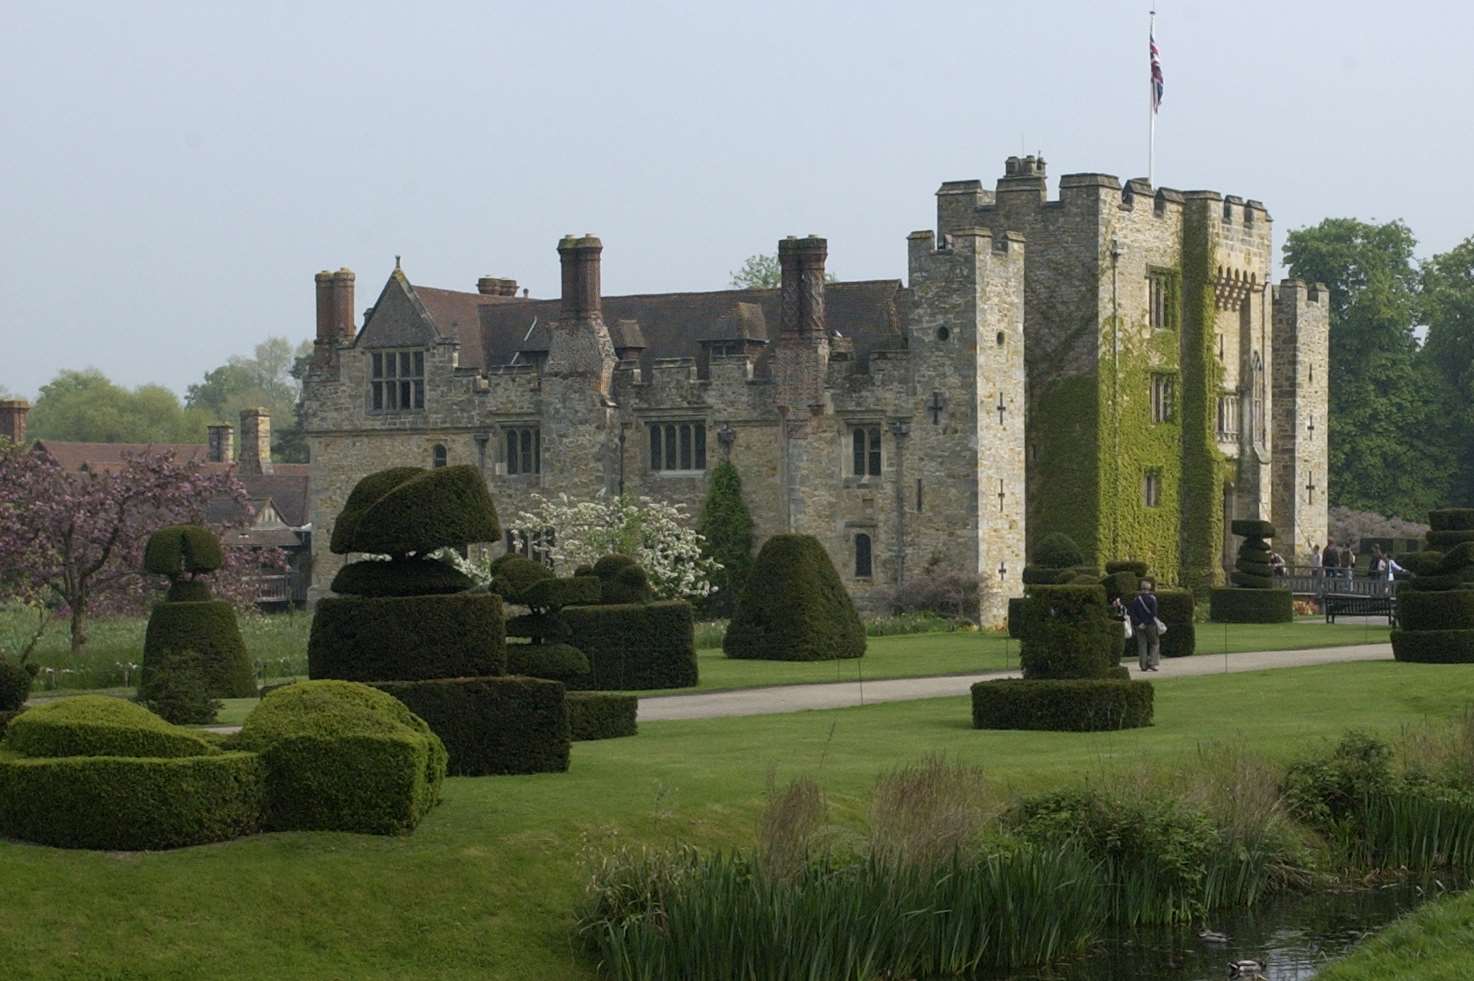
<point>1015,616</point>
<point>1441,610</point>
<point>182,549</point>
<point>512,575</point>
<point>402,638</point>
<point>1057,551</point>
<point>1134,566</point>
<point>1251,528</point>
<point>209,629</point>
<point>129,804</point>
<point>794,607</point>
<point>1176,608</point>
<point>15,685</point>
<point>1062,705</point>
<point>628,584</point>
<point>635,647</point>
<point>554,594</point>
<point>402,577</point>
<point>1246,580</point>
<point>1066,632</point>
<point>365,494</point>
<point>417,511</point>
<point>1451,519</point>
<point>538,625</point>
<point>492,725</point>
<point>344,757</point>
<point>187,591</point>
<point>97,725</point>
<point>1251,606</point>
<point>601,715</point>
<point>1120,584</point>
<point>1444,540</point>
<point>556,662</point>
<point>8,717</point>
<point>1433,646</point>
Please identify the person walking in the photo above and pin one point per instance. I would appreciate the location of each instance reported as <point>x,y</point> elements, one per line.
<point>1348,561</point>
<point>1315,560</point>
<point>1146,627</point>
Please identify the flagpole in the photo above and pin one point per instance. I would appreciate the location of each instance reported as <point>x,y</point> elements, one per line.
<point>1151,106</point>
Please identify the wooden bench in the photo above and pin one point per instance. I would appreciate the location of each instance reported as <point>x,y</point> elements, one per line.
<point>1350,605</point>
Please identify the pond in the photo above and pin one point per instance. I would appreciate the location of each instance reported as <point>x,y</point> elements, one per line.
<point>1294,935</point>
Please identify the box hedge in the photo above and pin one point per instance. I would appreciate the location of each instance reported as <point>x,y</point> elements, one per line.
<point>15,684</point>
<point>1442,610</point>
<point>794,607</point>
<point>1251,606</point>
<point>408,510</point>
<point>344,757</point>
<point>1451,519</point>
<point>1057,551</point>
<point>545,626</point>
<point>1434,646</point>
<point>1175,608</point>
<point>8,717</point>
<point>131,803</point>
<point>1062,705</point>
<point>1445,540</point>
<point>512,575</point>
<point>98,725</point>
<point>1251,528</point>
<point>209,629</point>
<point>365,493</point>
<point>636,646</point>
<point>492,725</point>
<point>401,577</point>
<point>399,638</point>
<point>601,715</point>
<point>1066,632</point>
<point>1015,616</point>
<point>554,594</point>
<point>555,662</point>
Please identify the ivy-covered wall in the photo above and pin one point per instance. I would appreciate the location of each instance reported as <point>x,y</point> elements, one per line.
<point>1204,470</point>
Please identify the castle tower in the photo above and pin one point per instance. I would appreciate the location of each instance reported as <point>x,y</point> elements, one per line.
<point>1301,453</point>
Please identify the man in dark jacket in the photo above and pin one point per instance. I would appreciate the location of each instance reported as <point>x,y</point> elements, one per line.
<point>1143,614</point>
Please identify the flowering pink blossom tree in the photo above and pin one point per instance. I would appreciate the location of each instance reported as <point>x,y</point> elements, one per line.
<point>78,537</point>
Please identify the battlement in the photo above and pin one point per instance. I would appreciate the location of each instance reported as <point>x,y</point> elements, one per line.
<point>1297,292</point>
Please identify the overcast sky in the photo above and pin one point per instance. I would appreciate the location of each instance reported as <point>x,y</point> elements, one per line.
<point>172,175</point>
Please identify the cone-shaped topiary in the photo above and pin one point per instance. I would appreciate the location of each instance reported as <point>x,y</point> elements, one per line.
<point>408,510</point>
<point>794,607</point>
<point>188,620</point>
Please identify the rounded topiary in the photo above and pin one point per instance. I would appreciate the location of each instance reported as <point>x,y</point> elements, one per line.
<point>182,549</point>
<point>98,725</point>
<point>410,511</point>
<point>1251,528</point>
<point>513,575</point>
<point>400,577</point>
<point>1057,551</point>
<point>209,629</point>
<point>1067,632</point>
<point>344,757</point>
<point>556,662</point>
<point>178,690</point>
<point>628,585</point>
<point>794,607</point>
<point>551,595</point>
<point>15,685</point>
<point>1134,566</point>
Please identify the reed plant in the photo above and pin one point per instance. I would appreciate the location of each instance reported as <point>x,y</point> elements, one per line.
<point>923,813</point>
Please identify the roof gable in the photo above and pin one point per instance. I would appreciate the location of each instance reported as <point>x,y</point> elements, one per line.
<point>399,317</point>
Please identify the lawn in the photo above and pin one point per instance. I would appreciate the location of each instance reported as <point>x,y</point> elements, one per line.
<point>1432,943</point>
<point>485,886</point>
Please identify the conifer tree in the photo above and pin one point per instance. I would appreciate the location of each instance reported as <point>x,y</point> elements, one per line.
<point>727,528</point>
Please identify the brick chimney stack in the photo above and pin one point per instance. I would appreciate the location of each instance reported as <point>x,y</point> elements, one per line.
<point>13,419</point>
<point>222,444</point>
<point>802,264</point>
<point>334,311</point>
<point>255,442</point>
<point>582,299</point>
<point>495,286</point>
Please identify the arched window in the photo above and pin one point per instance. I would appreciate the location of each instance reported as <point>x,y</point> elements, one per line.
<point>862,556</point>
<point>438,455</point>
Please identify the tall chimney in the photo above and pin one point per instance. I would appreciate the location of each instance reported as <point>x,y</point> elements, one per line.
<point>255,442</point>
<point>802,264</point>
<point>581,288</point>
<point>222,444</point>
<point>343,304</point>
<point>13,419</point>
<point>334,312</point>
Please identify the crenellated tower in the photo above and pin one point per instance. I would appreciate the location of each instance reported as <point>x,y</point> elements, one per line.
<point>1301,451</point>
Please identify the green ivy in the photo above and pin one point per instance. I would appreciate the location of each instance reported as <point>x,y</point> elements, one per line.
<point>1204,468</point>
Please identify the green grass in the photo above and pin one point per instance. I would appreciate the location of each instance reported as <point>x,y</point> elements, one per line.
<point>1431,943</point>
<point>486,886</point>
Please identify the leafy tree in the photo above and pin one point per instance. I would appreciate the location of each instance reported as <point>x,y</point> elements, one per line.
<point>1448,310</point>
<point>763,272</point>
<point>727,527</point>
<point>78,537</point>
<point>85,406</point>
<point>1387,423</point>
<point>271,378</point>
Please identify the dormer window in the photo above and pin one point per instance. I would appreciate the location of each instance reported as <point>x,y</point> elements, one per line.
<point>396,381</point>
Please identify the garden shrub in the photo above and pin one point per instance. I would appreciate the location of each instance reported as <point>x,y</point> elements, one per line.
<point>209,629</point>
<point>1176,609</point>
<point>726,529</point>
<point>554,594</point>
<point>130,803</point>
<point>416,512</point>
<point>1433,646</point>
<point>344,757</point>
<point>1134,566</point>
<point>601,715</point>
<point>180,549</point>
<point>403,577</point>
<point>7,717</point>
<point>188,591</point>
<point>1057,551</point>
<point>1251,528</point>
<point>637,646</point>
<point>1435,608</point>
<point>546,626</point>
<point>492,725</point>
<point>1121,585</point>
<point>1324,789</point>
<point>512,575</point>
<point>1451,519</point>
<point>178,690</point>
<point>15,684</point>
<point>627,585</point>
<point>1442,610</point>
<point>1251,606</point>
<point>794,607</point>
<point>1444,540</point>
<point>1015,616</point>
<point>396,638</point>
<point>98,725</point>
<point>556,662</point>
<point>1037,575</point>
<point>1063,705</point>
<point>1067,632</point>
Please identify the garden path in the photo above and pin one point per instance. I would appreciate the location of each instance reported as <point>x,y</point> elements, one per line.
<point>844,694</point>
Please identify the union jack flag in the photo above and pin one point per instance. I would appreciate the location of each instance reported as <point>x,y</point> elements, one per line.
<point>1156,73</point>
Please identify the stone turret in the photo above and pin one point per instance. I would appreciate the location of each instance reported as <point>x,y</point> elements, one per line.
<point>802,360</point>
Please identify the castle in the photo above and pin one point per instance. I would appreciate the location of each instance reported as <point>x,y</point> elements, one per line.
<point>1114,364</point>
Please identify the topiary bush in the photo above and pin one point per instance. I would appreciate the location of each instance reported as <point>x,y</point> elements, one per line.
<point>794,607</point>
<point>209,629</point>
<point>601,715</point>
<point>492,725</point>
<point>344,757</point>
<point>726,529</point>
<point>178,690</point>
<point>1449,609</point>
<point>15,684</point>
<point>411,511</point>
<point>98,725</point>
<point>551,595</point>
<point>1057,551</point>
<point>1015,616</point>
<point>1435,608</point>
<point>1251,606</point>
<point>1134,566</point>
<point>1252,573</point>
<point>395,638</point>
<point>1433,646</point>
<point>1451,519</point>
<point>7,717</point>
<point>622,581</point>
<point>1064,705</point>
<point>404,577</point>
<point>1176,608</point>
<point>182,550</point>
<point>633,647</point>
<point>1067,632</point>
<point>555,662</point>
<point>512,575</point>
